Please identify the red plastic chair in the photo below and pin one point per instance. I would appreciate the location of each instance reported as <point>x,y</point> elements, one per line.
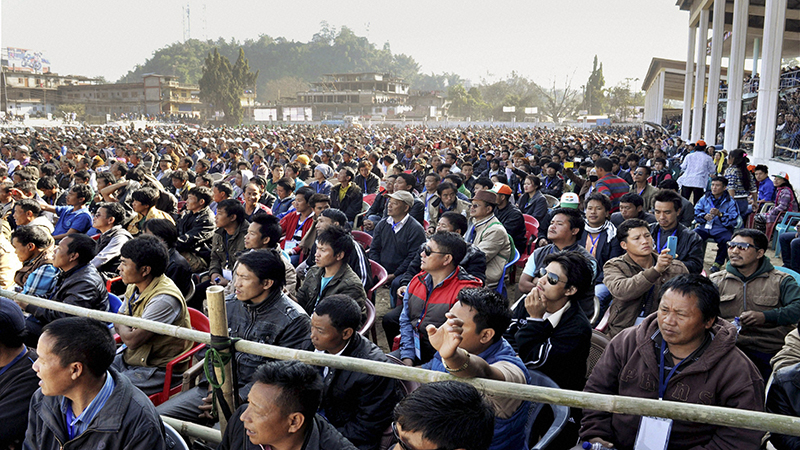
<point>112,281</point>
<point>370,198</point>
<point>379,272</point>
<point>363,239</point>
<point>530,243</point>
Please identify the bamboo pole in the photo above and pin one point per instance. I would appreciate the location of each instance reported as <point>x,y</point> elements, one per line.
<point>714,415</point>
<point>218,318</point>
<point>207,434</point>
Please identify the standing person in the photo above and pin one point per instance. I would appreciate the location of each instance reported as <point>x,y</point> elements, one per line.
<point>609,184</point>
<point>742,185</point>
<point>697,167</point>
<point>82,397</point>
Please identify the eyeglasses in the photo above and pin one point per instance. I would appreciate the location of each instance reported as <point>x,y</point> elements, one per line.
<point>429,251</point>
<point>403,445</point>
<point>552,278</point>
<point>740,245</point>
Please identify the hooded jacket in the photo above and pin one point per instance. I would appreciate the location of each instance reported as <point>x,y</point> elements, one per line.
<point>127,421</point>
<point>721,376</point>
<point>725,205</point>
<point>195,230</point>
<point>345,281</point>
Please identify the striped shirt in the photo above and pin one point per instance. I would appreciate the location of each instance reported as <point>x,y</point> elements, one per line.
<point>613,187</point>
<point>79,424</point>
<point>41,280</point>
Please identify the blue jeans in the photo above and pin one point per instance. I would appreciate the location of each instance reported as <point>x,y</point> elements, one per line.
<point>721,236</point>
<point>790,250</point>
<point>602,293</point>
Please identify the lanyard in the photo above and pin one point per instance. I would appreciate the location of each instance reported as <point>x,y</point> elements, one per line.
<point>549,183</point>
<point>396,223</point>
<point>14,361</point>
<point>300,224</point>
<point>659,247</point>
<point>662,382</point>
<point>642,191</point>
<point>594,242</point>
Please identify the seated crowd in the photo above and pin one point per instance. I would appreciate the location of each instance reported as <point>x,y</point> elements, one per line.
<point>298,228</point>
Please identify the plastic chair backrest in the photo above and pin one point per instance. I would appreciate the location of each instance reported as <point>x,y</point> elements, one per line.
<point>791,272</point>
<point>552,202</point>
<point>560,412</point>
<point>379,272</point>
<point>369,199</point>
<point>364,239</point>
<point>598,344</point>
<point>114,303</point>
<point>371,314</point>
<point>514,259</point>
<point>173,439</point>
<point>199,321</point>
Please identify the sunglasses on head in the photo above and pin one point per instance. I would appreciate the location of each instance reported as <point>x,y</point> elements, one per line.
<point>429,251</point>
<point>552,278</point>
<point>740,245</point>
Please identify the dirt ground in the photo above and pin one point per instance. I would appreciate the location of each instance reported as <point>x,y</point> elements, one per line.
<point>382,295</point>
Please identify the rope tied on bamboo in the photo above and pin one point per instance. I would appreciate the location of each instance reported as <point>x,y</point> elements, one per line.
<point>219,353</point>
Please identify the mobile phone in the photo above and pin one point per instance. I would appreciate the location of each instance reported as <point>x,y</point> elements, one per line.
<point>672,245</point>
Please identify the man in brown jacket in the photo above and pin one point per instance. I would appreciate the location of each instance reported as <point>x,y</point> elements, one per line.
<point>635,278</point>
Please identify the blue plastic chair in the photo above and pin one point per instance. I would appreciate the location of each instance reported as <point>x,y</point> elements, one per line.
<point>783,227</point>
<point>114,303</point>
<point>514,258</point>
<point>791,272</point>
<point>560,413</point>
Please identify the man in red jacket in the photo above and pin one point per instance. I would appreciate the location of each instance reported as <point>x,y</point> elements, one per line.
<point>296,224</point>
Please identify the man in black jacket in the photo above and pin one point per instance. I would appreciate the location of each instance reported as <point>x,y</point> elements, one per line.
<point>366,180</point>
<point>79,284</point>
<point>260,312</point>
<point>346,196</point>
<point>359,405</point>
<point>102,408</point>
<point>510,216</point>
<point>196,228</point>
<point>553,183</point>
<point>690,247</point>
<point>281,411</point>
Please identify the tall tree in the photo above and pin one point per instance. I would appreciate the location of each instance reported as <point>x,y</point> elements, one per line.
<point>219,89</point>
<point>594,98</point>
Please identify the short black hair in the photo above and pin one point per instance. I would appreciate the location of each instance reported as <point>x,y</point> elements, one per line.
<point>286,184</point>
<point>491,311</point>
<point>578,269</point>
<point>32,234</point>
<point>445,185</point>
<point>625,227</point>
<point>721,179</point>
<point>269,226</point>
<point>266,265</point>
<point>338,239</point>
<point>83,245</point>
<point>667,196</point>
<point>306,192</point>
<point>449,414</point>
<point>164,230</point>
<point>28,204</point>
<point>633,198</point>
<point>700,287</point>
<point>114,210</point>
<point>318,198</point>
<point>300,385</point>
<point>180,175</point>
<point>146,250</point>
<point>224,187</point>
<point>338,217</point>
<point>604,163</point>
<point>669,184</point>
<point>646,169</point>
<point>46,183</point>
<point>83,340</point>
<point>83,191</point>
<point>409,179</point>
<point>106,176</point>
<point>146,196</point>
<point>451,243</point>
<point>759,238</point>
<point>342,311</point>
<point>232,208</point>
<point>598,197</point>
<point>575,217</point>
<point>485,182</point>
<point>201,193</point>
<point>762,168</point>
<point>458,221</point>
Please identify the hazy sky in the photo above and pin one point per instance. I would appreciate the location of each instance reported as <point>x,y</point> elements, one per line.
<point>541,40</point>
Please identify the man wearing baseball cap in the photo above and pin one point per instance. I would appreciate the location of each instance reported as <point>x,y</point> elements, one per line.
<point>488,234</point>
<point>18,381</point>
<point>397,238</point>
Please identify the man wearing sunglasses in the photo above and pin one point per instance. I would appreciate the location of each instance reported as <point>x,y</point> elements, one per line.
<point>769,306</point>
<point>443,415</point>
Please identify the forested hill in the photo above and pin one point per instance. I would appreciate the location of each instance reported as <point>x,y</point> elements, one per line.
<point>286,67</point>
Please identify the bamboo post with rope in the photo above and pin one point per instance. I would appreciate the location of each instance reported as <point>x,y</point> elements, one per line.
<point>218,319</point>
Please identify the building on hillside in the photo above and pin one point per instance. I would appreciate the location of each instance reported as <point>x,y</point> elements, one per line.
<point>366,95</point>
<point>163,94</point>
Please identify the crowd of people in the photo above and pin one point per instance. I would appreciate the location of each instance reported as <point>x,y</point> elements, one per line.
<point>298,223</point>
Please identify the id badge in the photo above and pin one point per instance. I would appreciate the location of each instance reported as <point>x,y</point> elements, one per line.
<point>653,433</point>
<point>227,274</point>
<point>416,344</point>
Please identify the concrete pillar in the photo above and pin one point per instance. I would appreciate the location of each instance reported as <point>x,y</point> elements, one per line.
<point>659,100</point>
<point>712,102</point>
<point>686,117</point>
<point>700,76</point>
<point>733,114</point>
<point>756,51</point>
<point>769,84</point>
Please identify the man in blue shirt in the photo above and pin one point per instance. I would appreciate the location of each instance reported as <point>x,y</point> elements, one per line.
<point>74,218</point>
<point>766,189</point>
<point>82,397</point>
